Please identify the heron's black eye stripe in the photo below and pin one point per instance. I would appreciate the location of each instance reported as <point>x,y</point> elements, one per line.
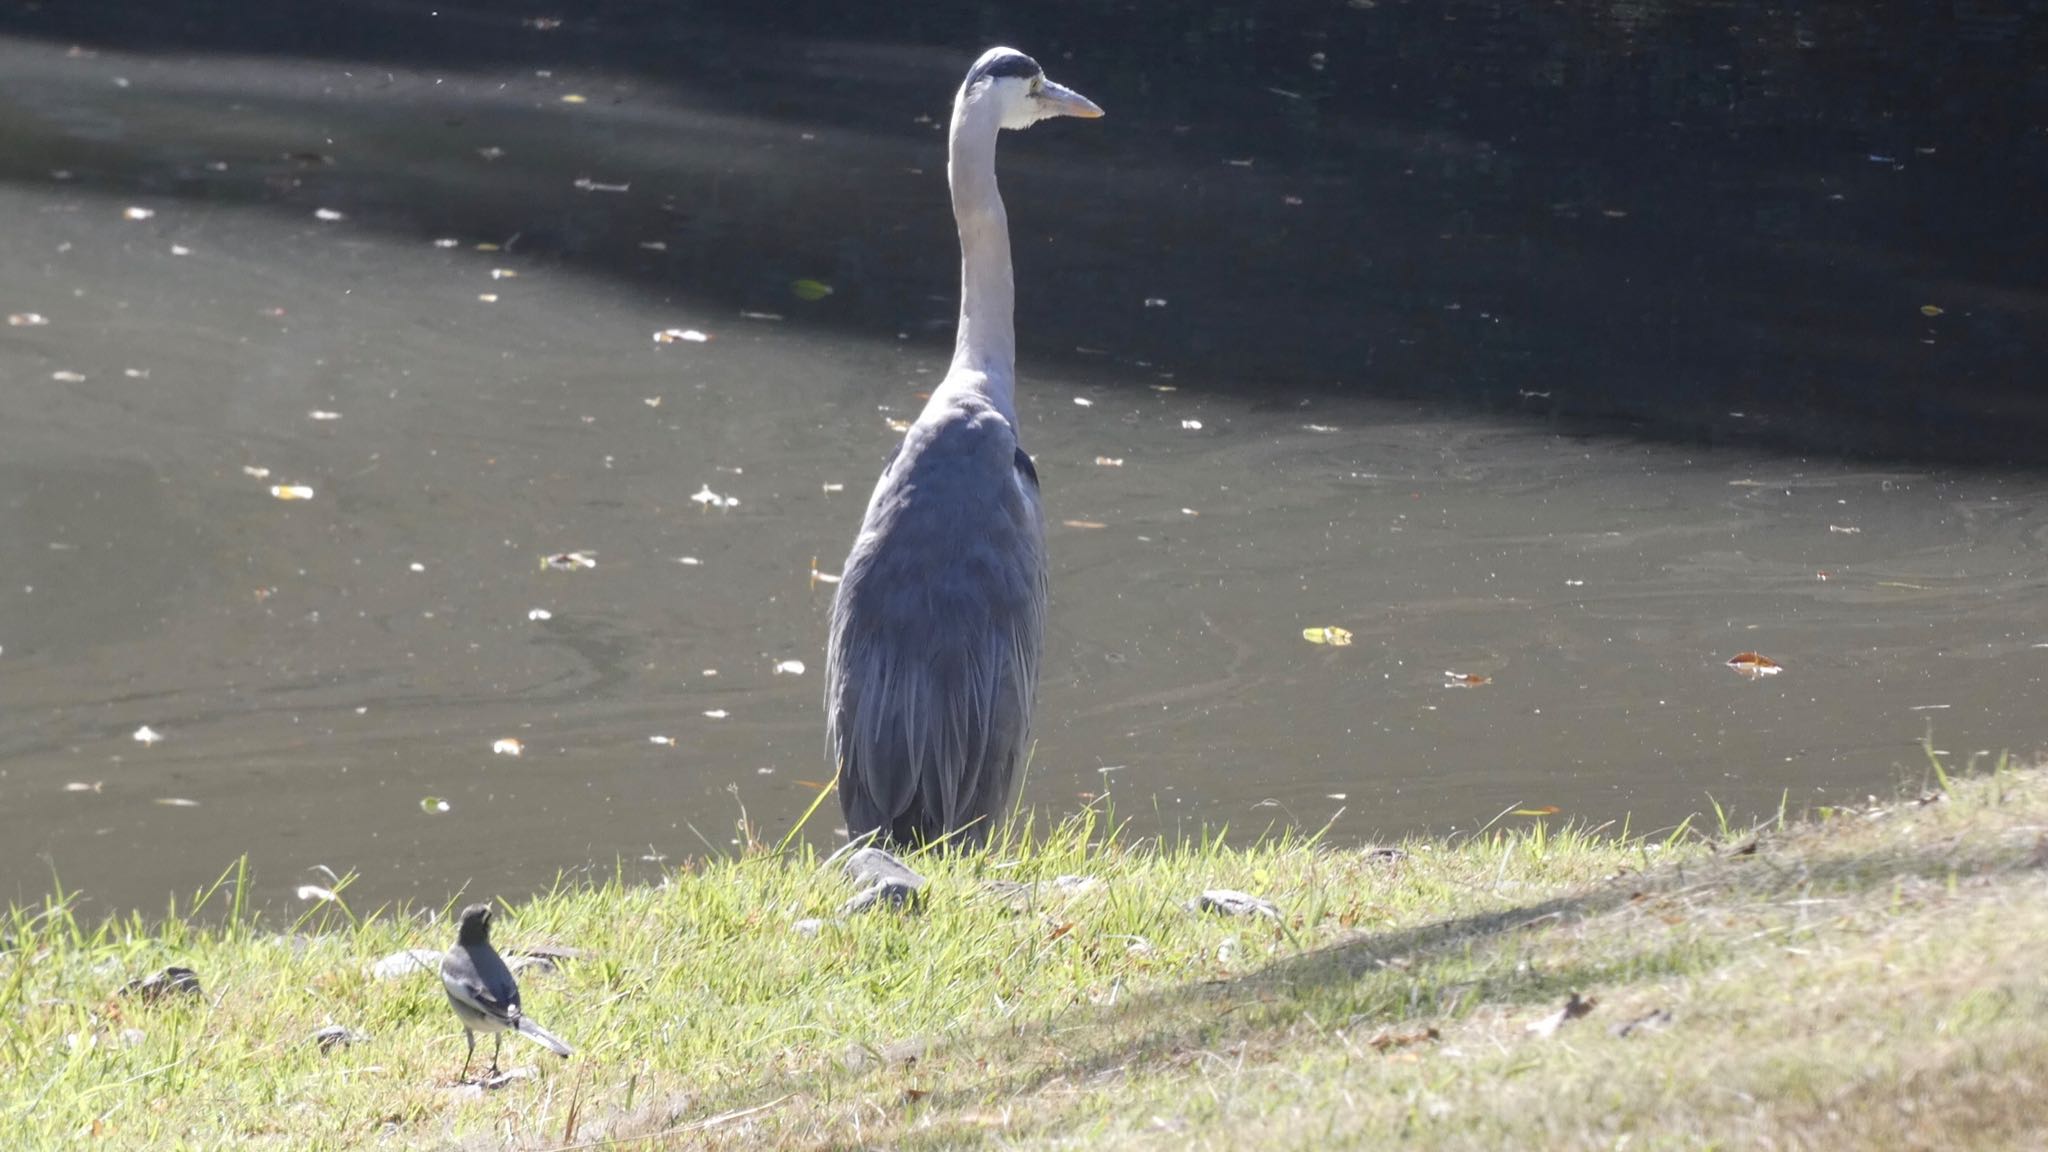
<point>1016,65</point>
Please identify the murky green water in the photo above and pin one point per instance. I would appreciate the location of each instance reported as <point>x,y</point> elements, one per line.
<point>317,668</point>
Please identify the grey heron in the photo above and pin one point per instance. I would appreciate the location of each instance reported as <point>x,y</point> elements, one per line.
<point>932,658</point>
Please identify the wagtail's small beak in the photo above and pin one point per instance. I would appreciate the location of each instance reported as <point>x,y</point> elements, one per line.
<point>1064,101</point>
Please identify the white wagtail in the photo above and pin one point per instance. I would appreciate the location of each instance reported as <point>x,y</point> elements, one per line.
<point>482,991</point>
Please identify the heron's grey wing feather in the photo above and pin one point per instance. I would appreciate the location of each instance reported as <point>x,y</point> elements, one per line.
<point>935,628</point>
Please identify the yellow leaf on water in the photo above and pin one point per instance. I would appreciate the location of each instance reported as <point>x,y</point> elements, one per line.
<point>1931,310</point>
<point>1332,635</point>
<point>811,290</point>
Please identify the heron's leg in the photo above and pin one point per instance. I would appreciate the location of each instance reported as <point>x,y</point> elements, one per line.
<point>467,1057</point>
<point>497,1043</point>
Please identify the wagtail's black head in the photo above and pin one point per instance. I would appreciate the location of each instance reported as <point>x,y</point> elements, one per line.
<point>475,925</point>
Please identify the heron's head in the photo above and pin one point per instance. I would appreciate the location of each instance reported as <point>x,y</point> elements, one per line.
<point>475,925</point>
<point>1017,88</point>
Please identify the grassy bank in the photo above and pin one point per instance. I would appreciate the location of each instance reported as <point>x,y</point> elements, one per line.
<point>1869,979</point>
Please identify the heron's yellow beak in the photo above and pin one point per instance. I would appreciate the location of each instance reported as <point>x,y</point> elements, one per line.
<point>1061,100</point>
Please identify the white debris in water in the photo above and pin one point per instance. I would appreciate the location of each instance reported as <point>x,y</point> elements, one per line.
<point>180,250</point>
<point>539,614</point>
<point>686,335</point>
<point>665,741</point>
<point>322,414</point>
<point>26,319</point>
<point>138,213</point>
<point>447,242</point>
<point>66,376</point>
<point>710,499</point>
<point>291,491</point>
<point>790,668</point>
<point>146,735</point>
<point>1192,425</point>
<point>316,892</point>
<point>717,713</point>
<point>834,486</point>
<point>688,561</point>
<point>327,214</point>
<point>416,566</point>
<point>1084,402</point>
<point>1155,301</point>
<point>508,746</point>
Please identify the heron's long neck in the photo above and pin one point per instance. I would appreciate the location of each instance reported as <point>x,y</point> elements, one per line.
<point>987,340</point>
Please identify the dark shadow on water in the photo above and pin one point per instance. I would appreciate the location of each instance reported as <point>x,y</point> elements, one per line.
<point>1812,227</point>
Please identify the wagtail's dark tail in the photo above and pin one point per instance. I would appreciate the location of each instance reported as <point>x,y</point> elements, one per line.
<point>542,1036</point>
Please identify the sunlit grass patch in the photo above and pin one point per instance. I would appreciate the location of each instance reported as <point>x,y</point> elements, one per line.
<point>1843,983</point>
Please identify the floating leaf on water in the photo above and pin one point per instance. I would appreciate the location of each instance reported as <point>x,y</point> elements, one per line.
<point>1189,512</point>
<point>716,713</point>
<point>327,214</point>
<point>177,802</point>
<point>1545,810</point>
<point>1465,679</point>
<point>834,486</point>
<point>82,786</point>
<point>65,376</point>
<point>491,152</point>
<point>654,245</point>
<point>672,335</point>
<point>811,290</point>
<point>1329,634</point>
<point>1109,461</point>
<point>1084,524</point>
<point>789,668</point>
<point>1084,402</point>
<point>1754,665</point>
<point>1155,301</point>
<point>818,577</point>
<point>487,297</point>
<point>586,184</point>
<point>316,892</point>
<point>1931,310</point>
<point>770,316</point>
<point>508,746</point>
<point>539,614</point>
<point>569,561</point>
<point>1844,530</point>
<point>651,401</point>
<point>146,736</point>
<point>322,414</point>
<point>135,373</point>
<point>575,98</point>
<point>433,804</point>
<point>291,491</point>
<point>1191,425</point>
<point>896,425</point>
<point>26,319</point>
<point>692,561</point>
<point>1323,428</point>
<point>138,213</point>
<point>665,741</point>
<point>446,242</point>
<point>504,274</point>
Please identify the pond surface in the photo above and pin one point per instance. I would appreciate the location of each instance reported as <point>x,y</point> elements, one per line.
<point>429,294</point>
